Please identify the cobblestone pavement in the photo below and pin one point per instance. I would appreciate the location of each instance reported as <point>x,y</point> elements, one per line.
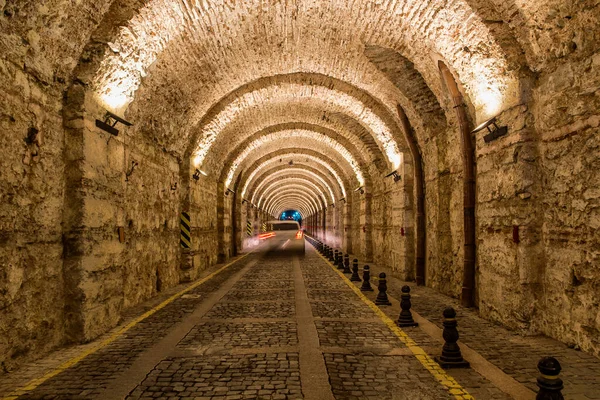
<point>272,326</point>
<point>266,375</point>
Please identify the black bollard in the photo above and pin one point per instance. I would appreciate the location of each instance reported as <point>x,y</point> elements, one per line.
<point>366,285</point>
<point>355,277</point>
<point>382,299</point>
<point>330,253</point>
<point>451,356</point>
<point>406,318</point>
<point>339,261</point>
<point>549,383</point>
<point>347,264</point>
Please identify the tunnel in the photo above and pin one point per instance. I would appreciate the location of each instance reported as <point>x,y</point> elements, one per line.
<point>149,147</point>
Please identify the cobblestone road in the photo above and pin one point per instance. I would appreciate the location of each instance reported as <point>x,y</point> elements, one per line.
<point>273,326</point>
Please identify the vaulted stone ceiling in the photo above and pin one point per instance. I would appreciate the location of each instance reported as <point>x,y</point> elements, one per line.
<point>215,81</point>
<point>212,80</point>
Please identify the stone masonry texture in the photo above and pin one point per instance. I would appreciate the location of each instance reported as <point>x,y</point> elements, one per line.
<point>236,112</point>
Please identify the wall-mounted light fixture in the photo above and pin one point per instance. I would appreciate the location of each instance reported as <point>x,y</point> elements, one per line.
<point>395,174</point>
<point>343,199</point>
<point>197,174</point>
<point>360,189</point>
<point>229,191</point>
<point>494,130</point>
<point>332,205</point>
<point>244,201</point>
<point>109,123</point>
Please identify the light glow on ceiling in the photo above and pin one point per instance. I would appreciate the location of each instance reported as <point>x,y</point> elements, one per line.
<point>216,26</point>
<point>136,47</point>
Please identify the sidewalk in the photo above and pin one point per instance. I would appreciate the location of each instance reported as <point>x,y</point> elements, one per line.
<point>502,351</point>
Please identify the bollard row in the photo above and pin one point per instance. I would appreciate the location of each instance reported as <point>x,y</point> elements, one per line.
<point>549,383</point>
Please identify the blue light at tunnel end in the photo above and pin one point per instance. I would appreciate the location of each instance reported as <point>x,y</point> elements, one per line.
<point>291,215</point>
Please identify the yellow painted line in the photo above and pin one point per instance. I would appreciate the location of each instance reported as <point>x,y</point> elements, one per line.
<point>31,385</point>
<point>434,368</point>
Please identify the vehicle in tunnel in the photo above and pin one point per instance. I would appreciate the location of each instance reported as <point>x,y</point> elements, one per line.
<point>285,236</point>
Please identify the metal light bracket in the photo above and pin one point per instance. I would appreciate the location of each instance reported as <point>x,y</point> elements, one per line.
<point>197,174</point>
<point>395,174</point>
<point>494,130</point>
<point>109,123</point>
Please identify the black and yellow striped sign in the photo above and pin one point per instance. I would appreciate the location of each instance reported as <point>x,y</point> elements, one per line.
<point>264,227</point>
<point>249,228</point>
<point>186,238</point>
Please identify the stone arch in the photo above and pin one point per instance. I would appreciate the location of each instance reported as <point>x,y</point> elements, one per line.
<point>326,165</point>
<point>298,150</point>
<point>291,172</point>
<point>306,138</point>
<point>271,187</point>
<point>347,98</point>
<point>329,136</point>
<point>294,191</point>
<point>294,200</point>
<point>326,181</point>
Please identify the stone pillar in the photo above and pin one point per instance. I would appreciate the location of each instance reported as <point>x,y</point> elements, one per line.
<point>329,232</point>
<point>366,232</point>
<point>347,226</point>
<point>221,217</point>
<point>94,190</point>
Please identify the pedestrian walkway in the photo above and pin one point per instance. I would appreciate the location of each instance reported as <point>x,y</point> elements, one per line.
<point>274,326</point>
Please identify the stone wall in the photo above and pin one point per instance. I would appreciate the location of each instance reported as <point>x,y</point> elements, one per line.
<point>203,216</point>
<point>31,212</point>
<point>568,125</point>
<point>152,208</point>
<point>508,222</point>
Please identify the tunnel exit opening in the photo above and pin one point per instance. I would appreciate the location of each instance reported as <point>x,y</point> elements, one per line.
<point>291,215</point>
